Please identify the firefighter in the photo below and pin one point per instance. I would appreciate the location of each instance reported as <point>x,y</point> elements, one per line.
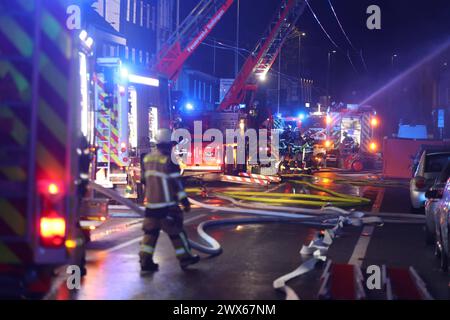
<point>348,142</point>
<point>164,191</point>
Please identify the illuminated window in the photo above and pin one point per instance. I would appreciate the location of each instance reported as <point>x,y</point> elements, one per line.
<point>134,11</point>
<point>128,10</point>
<point>142,13</point>
<point>148,16</point>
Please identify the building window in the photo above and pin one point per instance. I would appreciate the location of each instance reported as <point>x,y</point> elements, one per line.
<point>141,57</point>
<point>128,10</point>
<point>134,11</point>
<point>127,53</point>
<point>142,13</point>
<point>195,89</point>
<point>133,55</point>
<point>148,16</point>
<point>147,58</point>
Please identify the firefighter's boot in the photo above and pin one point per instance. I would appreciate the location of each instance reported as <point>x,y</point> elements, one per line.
<point>147,264</point>
<point>149,268</point>
<point>188,261</point>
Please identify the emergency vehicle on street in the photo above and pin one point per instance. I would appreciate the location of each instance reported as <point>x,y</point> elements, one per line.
<point>40,183</point>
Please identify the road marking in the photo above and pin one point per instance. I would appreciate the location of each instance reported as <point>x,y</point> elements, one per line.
<point>379,200</point>
<point>360,250</point>
<point>109,230</point>
<point>361,246</point>
<point>133,241</point>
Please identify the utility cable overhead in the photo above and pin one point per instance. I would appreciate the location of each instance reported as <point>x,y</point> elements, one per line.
<point>348,38</point>
<point>328,35</point>
<point>341,26</point>
<point>363,60</point>
<point>351,61</point>
<point>321,26</point>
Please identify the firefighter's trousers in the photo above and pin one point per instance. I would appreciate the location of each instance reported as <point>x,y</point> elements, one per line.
<point>170,220</point>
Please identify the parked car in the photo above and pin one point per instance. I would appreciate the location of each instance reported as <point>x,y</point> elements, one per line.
<point>442,224</point>
<point>434,196</point>
<point>432,160</point>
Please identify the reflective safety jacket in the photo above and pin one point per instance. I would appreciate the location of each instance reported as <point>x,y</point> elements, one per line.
<point>163,183</point>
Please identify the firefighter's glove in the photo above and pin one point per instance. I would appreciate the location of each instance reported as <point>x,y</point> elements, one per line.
<point>186,204</point>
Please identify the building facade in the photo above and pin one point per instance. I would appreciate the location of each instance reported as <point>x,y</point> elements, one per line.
<point>132,31</point>
<point>199,89</point>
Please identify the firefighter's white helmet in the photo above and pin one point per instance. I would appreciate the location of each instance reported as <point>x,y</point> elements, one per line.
<point>164,136</point>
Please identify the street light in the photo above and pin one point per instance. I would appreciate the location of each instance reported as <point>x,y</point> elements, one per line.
<point>300,35</point>
<point>263,77</point>
<point>330,53</point>
<point>393,59</point>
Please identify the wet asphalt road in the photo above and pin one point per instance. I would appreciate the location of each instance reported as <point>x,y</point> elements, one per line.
<point>254,256</point>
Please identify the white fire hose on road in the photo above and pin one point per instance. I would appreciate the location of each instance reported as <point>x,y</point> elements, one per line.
<point>214,247</point>
<point>329,218</point>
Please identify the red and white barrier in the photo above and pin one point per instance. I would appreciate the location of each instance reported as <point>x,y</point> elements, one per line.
<point>253,181</point>
<point>341,282</point>
<point>260,177</point>
<point>405,284</point>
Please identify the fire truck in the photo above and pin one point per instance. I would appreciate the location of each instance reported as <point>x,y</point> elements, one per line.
<point>119,120</point>
<point>237,111</point>
<point>40,190</point>
<point>111,122</point>
<point>351,142</point>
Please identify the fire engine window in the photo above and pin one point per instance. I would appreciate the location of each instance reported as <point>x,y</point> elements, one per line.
<point>351,126</point>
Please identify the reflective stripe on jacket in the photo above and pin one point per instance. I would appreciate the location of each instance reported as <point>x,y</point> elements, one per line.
<point>163,181</point>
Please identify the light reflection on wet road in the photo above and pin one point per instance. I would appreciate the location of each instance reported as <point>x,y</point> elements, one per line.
<point>254,255</point>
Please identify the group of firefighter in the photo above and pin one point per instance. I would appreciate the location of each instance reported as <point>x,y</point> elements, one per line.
<point>297,149</point>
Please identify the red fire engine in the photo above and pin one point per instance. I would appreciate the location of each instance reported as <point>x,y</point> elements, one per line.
<point>39,167</point>
<point>351,139</point>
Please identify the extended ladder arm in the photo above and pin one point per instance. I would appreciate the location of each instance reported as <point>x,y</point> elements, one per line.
<point>265,53</point>
<point>190,34</point>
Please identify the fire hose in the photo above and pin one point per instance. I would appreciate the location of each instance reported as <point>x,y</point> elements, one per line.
<point>303,217</point>
<point>298,199</point>
<point>213,247</point>
<point>355,182</point>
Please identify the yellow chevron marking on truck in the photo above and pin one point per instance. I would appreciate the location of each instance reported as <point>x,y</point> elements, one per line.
<point>7,256</point>
<point>49,164</point>
<point>107,124</point>
<point>52,121</point>
<point>19,131</point>
<point>14,173</point>
<point>12,217</point>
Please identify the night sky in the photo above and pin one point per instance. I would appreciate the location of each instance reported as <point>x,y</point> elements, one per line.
<point>410,29</point>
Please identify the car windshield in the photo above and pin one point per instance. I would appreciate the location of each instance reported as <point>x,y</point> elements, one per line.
<point>435,163</point>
